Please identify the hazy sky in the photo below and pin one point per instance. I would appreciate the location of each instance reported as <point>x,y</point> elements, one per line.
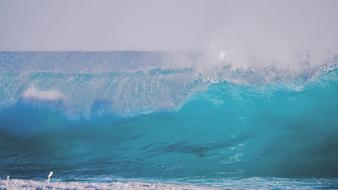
<point>166,24</point>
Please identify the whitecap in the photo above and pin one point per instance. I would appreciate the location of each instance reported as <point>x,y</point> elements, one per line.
<point>42,95</point>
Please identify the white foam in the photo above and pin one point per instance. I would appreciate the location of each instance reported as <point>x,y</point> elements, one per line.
<point>42,95</point>
<point>31,184</point>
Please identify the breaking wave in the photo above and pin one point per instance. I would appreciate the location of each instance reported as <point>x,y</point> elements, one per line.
<point>134,115</point>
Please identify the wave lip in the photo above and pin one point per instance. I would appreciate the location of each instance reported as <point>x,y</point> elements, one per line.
<point>135,83</point>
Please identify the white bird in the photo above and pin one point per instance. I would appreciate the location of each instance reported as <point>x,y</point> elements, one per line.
<point>8,178</point>
<point>50,175</point>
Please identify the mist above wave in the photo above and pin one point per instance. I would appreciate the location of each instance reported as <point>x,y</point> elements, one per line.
<point>226,60</point>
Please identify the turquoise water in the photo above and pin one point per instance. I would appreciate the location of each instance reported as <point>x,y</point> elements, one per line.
<point>164,124</point>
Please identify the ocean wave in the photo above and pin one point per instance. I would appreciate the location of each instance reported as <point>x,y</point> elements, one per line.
<point>224,130</point>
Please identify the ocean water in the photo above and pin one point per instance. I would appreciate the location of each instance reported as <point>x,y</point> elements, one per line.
<point>185,117</point>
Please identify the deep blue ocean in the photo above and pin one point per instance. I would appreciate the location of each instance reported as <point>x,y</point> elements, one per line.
<point>105,116</point>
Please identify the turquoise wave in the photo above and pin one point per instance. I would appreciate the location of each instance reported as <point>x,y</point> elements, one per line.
<point>221,130</point>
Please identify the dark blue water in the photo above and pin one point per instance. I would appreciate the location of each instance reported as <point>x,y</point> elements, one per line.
<point>164,124</point>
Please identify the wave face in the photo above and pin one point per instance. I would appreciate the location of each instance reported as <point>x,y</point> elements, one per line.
<point>86,115</point>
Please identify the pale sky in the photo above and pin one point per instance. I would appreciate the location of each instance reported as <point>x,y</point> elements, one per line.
<point>54,25</point>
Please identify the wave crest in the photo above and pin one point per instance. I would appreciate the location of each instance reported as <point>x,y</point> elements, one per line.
<point>133,83</point>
